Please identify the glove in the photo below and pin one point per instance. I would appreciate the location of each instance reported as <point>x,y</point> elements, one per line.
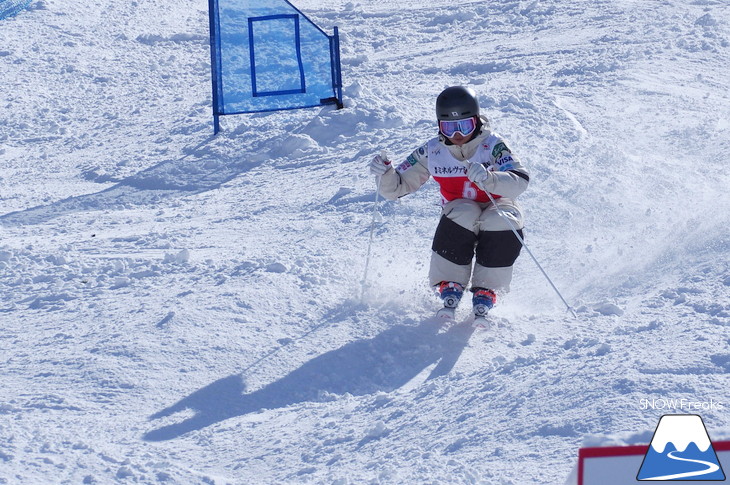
<point>477,173</point>
<point>379,165</point>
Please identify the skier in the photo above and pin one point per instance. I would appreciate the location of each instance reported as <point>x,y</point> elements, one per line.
<point>467,160</point>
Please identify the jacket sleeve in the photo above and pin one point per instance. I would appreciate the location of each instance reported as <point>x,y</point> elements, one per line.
<point>508,176</point>
<point>407,177</point>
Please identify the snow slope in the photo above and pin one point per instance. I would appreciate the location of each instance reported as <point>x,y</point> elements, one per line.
<point>181,308</point>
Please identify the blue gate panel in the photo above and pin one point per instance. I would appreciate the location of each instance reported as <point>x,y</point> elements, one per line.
<point>8,8</point>
<point>266,55</point>
<point>276,64</point>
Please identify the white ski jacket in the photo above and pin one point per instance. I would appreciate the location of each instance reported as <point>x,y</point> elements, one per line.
<point>447,164</point>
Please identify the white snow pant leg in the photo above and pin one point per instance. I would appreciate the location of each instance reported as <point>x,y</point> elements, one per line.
<point>497,246</point>
<point>453,244</point>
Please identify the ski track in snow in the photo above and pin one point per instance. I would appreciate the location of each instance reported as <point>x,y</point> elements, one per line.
<point>179,308</point>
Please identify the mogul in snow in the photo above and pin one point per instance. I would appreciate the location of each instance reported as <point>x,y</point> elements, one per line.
<point>479,177</point>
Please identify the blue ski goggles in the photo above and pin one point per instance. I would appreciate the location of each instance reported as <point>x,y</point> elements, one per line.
<point>466,126</point>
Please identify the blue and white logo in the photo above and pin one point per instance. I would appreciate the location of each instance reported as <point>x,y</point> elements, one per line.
<point>681,450</point>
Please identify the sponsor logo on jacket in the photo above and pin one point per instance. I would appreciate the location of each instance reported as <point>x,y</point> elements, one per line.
<point>410,162</point>
<point>498,149</point>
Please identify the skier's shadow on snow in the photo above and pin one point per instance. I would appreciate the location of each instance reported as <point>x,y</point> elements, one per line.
<point>384,363</point>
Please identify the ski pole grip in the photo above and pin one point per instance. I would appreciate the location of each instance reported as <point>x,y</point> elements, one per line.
<point>384,156</point>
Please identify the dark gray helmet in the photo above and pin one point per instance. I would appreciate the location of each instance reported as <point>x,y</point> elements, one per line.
<point>456,103</point>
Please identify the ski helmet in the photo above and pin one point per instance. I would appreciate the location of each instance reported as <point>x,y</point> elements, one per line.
<point>456,103</point>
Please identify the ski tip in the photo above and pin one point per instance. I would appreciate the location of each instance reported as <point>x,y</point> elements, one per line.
<point>481,323</point>
<point>446,314</point>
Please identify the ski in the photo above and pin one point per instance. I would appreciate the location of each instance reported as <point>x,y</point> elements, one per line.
<point>447,317</point>
<point>446,314</point>
<point>481,323</point>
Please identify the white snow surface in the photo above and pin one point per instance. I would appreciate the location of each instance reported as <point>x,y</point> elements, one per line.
<point>182,308</point>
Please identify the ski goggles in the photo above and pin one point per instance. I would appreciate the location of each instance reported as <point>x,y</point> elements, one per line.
<point>466,126</point>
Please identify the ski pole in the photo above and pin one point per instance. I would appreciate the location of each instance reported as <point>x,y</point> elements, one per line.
<point>522,241</point>
<point>372,232</point>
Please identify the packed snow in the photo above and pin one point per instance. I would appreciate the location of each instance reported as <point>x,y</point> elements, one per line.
<point>182,308</point>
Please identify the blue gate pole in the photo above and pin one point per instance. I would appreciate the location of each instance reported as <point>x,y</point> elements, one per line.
<point>338,63</point>
<point>214,72</point>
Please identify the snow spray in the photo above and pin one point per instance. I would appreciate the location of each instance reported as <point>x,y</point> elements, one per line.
<point>522,241</point>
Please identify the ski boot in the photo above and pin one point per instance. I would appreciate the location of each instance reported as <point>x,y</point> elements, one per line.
<point>483,300</point>
<point>450,293</point>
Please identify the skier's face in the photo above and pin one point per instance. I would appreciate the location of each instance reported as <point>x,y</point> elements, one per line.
<point>458,139</point>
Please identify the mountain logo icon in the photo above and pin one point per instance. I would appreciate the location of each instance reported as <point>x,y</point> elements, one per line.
<point>681,450</point>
